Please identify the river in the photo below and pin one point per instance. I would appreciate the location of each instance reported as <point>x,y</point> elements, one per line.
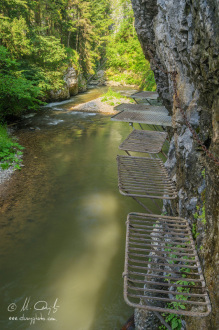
<point>63,224</point>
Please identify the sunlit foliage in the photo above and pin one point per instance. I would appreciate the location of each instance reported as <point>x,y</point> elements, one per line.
<point>44,37</point>
<point>125,59</point>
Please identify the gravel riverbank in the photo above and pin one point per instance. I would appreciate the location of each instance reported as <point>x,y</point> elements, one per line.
<point>100,107</point>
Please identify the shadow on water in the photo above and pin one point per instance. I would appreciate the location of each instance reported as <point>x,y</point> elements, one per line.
<point>63,225</point>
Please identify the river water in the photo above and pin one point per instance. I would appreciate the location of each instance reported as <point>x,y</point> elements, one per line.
<point>63,224</point>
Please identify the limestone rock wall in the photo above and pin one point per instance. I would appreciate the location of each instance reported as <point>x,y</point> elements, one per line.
<point>183,36</point>
<point>70,87</point>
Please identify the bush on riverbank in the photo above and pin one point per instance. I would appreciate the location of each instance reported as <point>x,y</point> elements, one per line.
<point>10,150</point>
<point>16,91</point>
<point>25,83</point>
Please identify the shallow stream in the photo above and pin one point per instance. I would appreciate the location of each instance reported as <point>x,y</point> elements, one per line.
<point>63,224</point>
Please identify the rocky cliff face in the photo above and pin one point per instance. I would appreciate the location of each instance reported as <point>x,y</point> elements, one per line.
<point>183,36</point>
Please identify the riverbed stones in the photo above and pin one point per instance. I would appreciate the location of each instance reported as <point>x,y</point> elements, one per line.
<point>99,106</point>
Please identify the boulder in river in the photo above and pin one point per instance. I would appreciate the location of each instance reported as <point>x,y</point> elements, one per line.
<point>99,79</point>
<point>69,88</point>
<point>59,95</point>
<point>71,79</point>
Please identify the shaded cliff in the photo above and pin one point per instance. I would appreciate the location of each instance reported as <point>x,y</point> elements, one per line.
<point>183,36</point>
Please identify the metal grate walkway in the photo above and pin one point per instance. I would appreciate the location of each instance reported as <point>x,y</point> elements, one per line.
<point>162,266</point>
<point>144,141</point>
<point>143,117</point>
<point>141,107</point>
<point>145,95</point>
<point>162,270</point>
<point>144,177</point>
<point>147,98</point>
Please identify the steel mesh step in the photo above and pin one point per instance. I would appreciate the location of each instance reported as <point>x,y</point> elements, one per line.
<point>141,107</point>
<point>144,141</point>
<point>143,117</point>
<point>162,266</point>
<point>144,177</point>
<point>145,95</point>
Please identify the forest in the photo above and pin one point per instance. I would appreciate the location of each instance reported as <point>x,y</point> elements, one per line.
<point>40,39</point>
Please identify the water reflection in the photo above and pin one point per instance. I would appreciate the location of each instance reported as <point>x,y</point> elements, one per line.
<point>81,282</point>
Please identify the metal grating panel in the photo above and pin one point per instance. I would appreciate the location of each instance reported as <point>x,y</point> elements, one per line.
<point>143,117</point>
<point>144,177</point>
<point>141,107</point>
<point>144,141</point>
<point>145,95</point>
<point>162,268</point>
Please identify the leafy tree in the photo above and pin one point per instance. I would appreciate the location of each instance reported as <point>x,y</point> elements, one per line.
<point>13,33</point>
<point>125,59</point>
<point>48,51</point>
<point>101,20</point>
<point>13,8</point>
<point>16,92</point>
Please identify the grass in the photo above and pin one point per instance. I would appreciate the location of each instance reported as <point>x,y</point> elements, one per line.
<point>113,98</point>
<point>143,82</point>
<point>10,150</point>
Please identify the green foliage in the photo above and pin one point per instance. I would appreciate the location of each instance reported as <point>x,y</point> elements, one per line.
<point>110,95</point>
<point>173,319</point>
<point>101,22</point>
<point>200,211</point>
<point>112,98</point>
<point>49,60</point>
<point>195,215</point>
<point>47,51</point>
<point>202,217</point>
<point>125,59</point>
<point>200,214</point>
<point>73,58</point>
<point>45,37</point>
<point>10,150</point>
<point>13,33</point>
<point>194,231</point>
<point>16,92</point>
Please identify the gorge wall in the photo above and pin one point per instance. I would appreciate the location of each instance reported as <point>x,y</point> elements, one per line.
<point>183,36</point>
